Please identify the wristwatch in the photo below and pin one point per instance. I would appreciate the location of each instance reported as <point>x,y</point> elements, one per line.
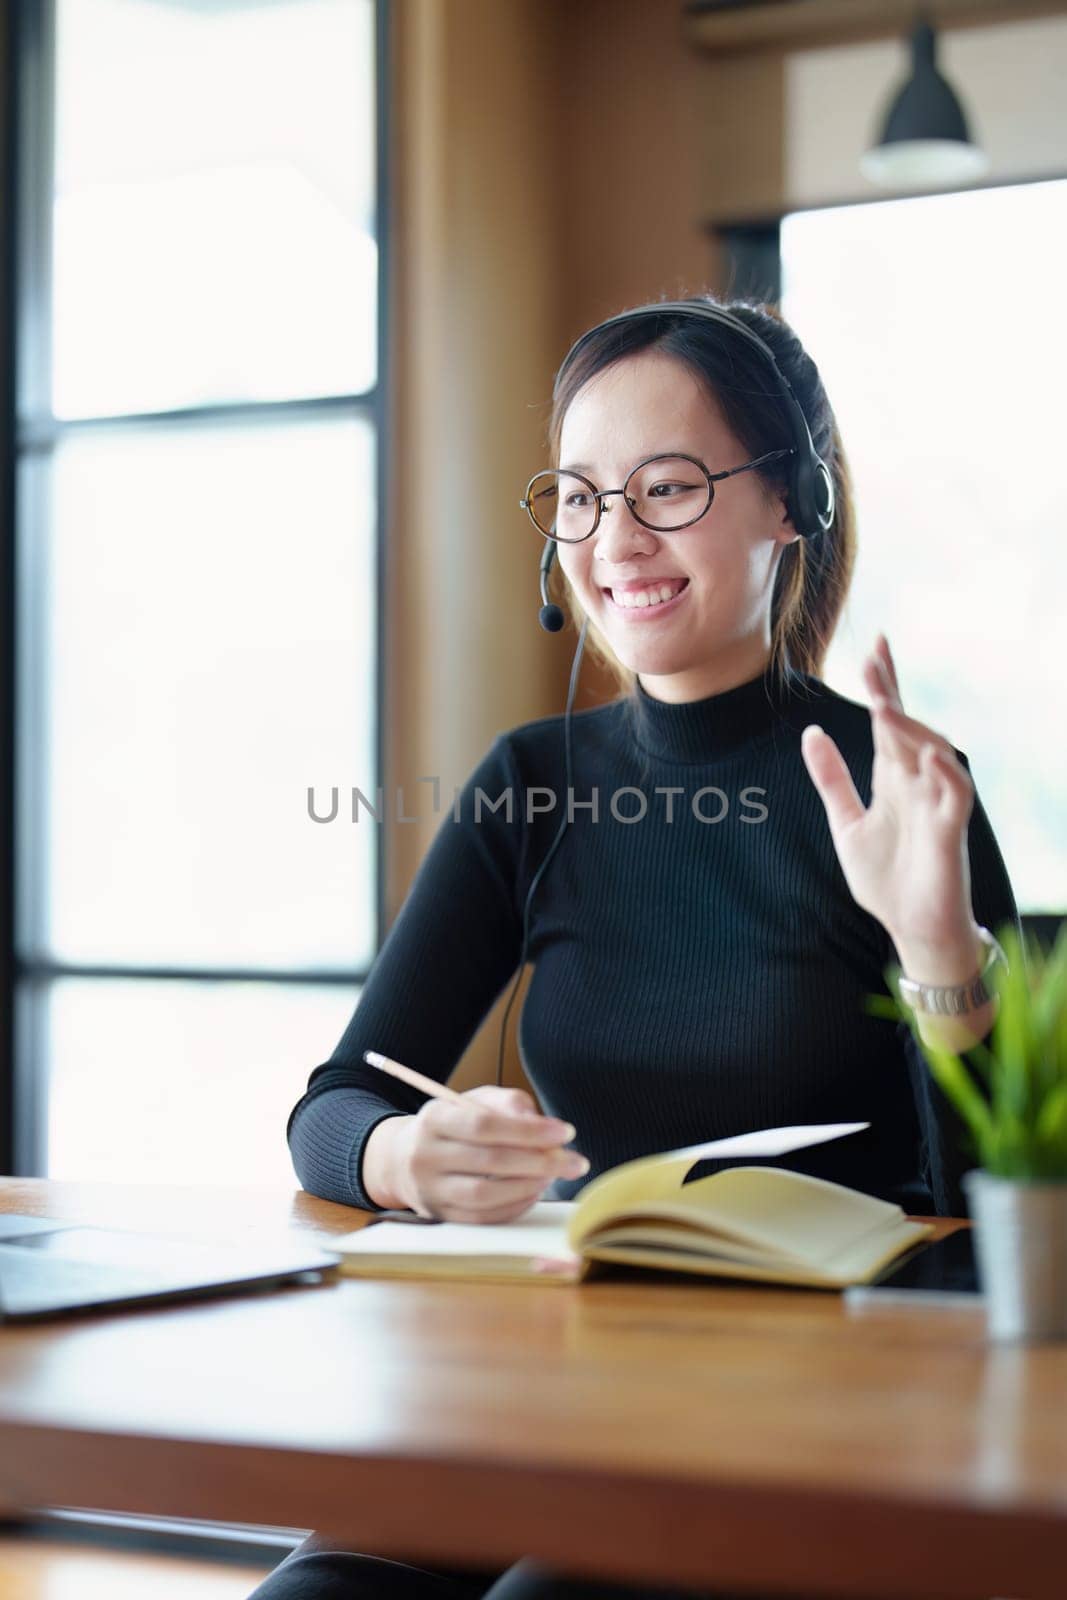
<point>955,1000</point>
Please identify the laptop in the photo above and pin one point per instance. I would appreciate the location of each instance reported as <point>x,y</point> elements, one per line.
<point>50,1268</point>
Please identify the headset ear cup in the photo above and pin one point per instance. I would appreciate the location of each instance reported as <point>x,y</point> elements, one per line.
<point>811,497</point>
<point>825,498</point>
<point>801,499</point>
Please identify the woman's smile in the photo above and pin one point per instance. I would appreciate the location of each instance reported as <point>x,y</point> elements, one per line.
<point>645,601</point>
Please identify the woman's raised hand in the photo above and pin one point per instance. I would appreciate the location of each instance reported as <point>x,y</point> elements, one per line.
<point>484,1158</point>
<point>905,856</point>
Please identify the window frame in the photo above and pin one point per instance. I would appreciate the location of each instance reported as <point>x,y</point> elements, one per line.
<point>749,247</point>
<point>28,428</point>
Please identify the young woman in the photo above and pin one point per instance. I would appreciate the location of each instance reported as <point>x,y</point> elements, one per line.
<point>738,851</point>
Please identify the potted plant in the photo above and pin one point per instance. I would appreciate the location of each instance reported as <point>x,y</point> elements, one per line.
<point>1011,1092</point>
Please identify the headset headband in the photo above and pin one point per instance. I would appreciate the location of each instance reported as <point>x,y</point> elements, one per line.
<point>811,486</point>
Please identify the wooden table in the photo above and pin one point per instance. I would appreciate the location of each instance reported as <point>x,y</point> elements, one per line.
<point>659,1427</point>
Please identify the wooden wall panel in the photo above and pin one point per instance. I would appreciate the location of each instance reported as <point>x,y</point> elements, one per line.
<point>547,161</point>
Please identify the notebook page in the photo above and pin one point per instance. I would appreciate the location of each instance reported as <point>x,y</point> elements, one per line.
<point>789,1213</point>
<point>658,1181</point>
<point>764,1141</point>
<point>540,1231</point>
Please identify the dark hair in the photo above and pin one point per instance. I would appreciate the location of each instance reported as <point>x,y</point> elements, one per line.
<point>813,576</point>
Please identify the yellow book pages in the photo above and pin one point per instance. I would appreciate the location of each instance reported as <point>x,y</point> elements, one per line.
<point>756,1222</point>
<point>859,1263</point>
<point>767,1208</point>
<point>634,1185</point>
<point>468,1269</point>
<point>671,1235</point>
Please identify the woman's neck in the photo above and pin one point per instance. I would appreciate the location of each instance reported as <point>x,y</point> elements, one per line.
<point>711,677</point>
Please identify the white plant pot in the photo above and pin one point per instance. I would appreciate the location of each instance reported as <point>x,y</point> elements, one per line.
<point>1020,1237</point>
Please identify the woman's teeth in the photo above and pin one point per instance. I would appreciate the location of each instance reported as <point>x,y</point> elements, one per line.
<point>655,595</point>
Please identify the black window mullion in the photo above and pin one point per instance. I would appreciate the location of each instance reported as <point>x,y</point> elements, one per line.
<point>753,260</point>
<point>43,432</point>
<point>9,149</point>
<point>43,968</point>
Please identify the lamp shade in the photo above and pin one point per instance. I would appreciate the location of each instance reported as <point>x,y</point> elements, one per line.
<point>925,139</point>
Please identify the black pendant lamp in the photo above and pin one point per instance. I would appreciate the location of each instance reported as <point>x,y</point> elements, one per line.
<point>925,141</point>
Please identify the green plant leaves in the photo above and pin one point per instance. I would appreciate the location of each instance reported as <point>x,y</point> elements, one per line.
<point>1012,1090</point>
<point>1052,1118</point>
<point>952,1076</point>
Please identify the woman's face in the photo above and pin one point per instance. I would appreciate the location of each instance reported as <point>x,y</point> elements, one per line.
<point>716,632</point>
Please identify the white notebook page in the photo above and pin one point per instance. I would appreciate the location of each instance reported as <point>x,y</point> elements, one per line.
<point>540,1231</point>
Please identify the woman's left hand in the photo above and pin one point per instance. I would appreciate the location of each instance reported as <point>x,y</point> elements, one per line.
<point>905,856</point>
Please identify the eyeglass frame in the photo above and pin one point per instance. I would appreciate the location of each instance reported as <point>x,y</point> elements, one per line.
<point>599,495</point>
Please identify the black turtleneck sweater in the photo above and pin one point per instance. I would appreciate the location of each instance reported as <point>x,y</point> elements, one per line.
<point>700,964</point>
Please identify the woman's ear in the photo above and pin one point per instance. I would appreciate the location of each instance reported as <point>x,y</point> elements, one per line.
<point>786,533</point>
<point>777,501</point>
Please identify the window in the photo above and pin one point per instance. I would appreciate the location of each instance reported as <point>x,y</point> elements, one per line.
<point>197,491</point>
<point>939,336</point>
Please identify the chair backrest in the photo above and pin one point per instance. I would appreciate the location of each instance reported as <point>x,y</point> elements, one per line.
<point>1043,925</point>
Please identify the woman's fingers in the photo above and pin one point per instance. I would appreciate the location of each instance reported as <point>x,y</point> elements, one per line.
<point>512,1100</point>
<point>487,1156</point>
<point>915,734</point>
<point>922,753</point>
<point>888,745</point>
<point>486,1122</point>
<point>951,785</point>
<point>831,777</point>
<point>885,656</point>
<point>508,1161</point>
<point>486,1197</point>
<point>896,735</point>
<point>565,1266</point>
<point>932,760</point>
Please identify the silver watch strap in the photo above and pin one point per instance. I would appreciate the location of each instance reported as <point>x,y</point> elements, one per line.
<point>955,999</point>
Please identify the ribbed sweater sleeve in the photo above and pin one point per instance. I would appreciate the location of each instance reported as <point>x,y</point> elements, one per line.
<point>450,950</point>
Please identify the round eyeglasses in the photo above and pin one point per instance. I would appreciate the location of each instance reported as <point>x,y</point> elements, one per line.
<point>664,493</point>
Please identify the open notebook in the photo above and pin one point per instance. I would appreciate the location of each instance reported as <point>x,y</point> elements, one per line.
<point>764,1223</point>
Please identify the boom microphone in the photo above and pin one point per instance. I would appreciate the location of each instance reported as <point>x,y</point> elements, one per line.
<point>550,616</point>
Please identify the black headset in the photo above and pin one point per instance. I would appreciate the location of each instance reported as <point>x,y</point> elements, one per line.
<point>809,502</point>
